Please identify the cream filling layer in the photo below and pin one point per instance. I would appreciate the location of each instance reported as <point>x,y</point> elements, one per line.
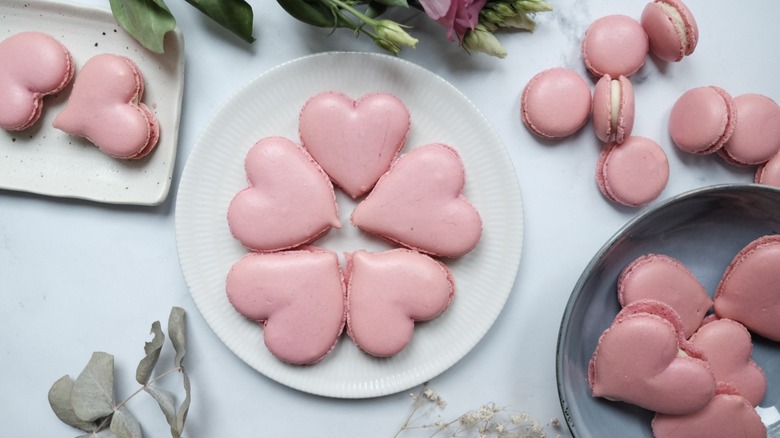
<point>615,96</point>
<point>677,19</point>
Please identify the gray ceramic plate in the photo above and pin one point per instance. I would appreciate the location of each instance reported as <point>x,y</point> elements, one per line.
<point>704,229</point>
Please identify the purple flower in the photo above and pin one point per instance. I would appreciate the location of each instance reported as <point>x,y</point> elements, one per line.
<point>457,16</point>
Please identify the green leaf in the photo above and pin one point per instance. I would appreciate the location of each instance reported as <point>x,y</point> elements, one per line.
<point>176,331</point>
<point>375,9</point>
<point>59,399</point>
<point>313,13</point>
<point>401,3</point>
<point>167,403</point>
<point>92,395</point>
<point>125,425</point>
<point>234,15</point>
<point>145,20</point>
<point>152,349</point>
<point>181,415</point>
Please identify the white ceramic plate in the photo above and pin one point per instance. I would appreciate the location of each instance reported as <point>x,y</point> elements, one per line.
<point>269,106</point>
<point>704,229</point>
<point>47,161</point>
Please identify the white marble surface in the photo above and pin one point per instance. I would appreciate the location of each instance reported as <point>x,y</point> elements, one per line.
<point>78,277</point>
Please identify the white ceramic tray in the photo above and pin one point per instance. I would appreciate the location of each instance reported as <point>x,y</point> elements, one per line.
<point>47,161</point>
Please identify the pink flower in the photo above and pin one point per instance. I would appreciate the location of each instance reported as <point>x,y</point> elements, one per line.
<point>457,16</point>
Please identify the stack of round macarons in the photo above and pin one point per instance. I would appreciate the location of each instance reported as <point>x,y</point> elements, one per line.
<point>743,130</point>
<point>632,170</point>
<point>668,351</point>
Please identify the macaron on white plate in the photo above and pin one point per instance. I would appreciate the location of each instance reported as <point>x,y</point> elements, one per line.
<point>704,229</point>
<point>48,161</point>
<point>269,106</point>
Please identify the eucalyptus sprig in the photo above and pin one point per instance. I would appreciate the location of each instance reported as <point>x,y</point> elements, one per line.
<point>88,402</point>
<point>148,21</point>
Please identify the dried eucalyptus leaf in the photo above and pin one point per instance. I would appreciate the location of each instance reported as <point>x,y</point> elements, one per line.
<point>92,395</point>
<point>181,415</point>
<point>152,349</point>
<point>167,403</point>
<point>59,399</point>
<point>125,425</point>
<point>145,20</point>
<point>105,433</point>
<point>176,331</point>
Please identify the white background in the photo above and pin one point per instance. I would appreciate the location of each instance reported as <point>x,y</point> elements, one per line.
<point>78,277</point>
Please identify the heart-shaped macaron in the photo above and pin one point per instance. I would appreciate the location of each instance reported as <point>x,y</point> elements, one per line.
<point>355,141</point>
<point>289,200</point>
<point>32,65</point>
<point>387,292</point>
<point>298,297</point>
<point>644,359</point>
<point>419,203</point>
<point>105,107</point>
<point>728,347</point>
<point>749,291</point>
<point>664,278</point>
<point>727,415</point>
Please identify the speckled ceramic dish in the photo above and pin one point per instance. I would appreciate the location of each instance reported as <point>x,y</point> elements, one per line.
<point>704,229</point>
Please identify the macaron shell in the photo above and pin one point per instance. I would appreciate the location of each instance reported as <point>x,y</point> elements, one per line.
<point>726,415</point>
<point>667,40</point>
<point>632,173</point>
<point>615,45</point>
<point>702,120</point>
<point>728,347</point>
<point>666,279</point>
<point>555,103</point>
<point>749,291</point>
<point>756,136</point>
<point>769,172</point>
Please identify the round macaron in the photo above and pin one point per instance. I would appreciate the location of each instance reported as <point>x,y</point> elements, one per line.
<point>702,120</point>
<point>613,109</point>
<point>769,172</point>
<point>555,103</point>
<point>756,136</point>
<point>615,45</point>
<point>632,173</point>
<point>671,29</point>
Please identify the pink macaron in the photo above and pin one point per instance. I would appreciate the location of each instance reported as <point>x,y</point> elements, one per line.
<point>756,136</point>
<point>769,172</point>
<point>613,109</point>
<point>555,103</point>
<point>615,45</point>
<point>632,173</point>
<point>671,29</point>
<point>702,120</point>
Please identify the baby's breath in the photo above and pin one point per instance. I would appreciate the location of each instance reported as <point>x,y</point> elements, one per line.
<point>487,421</point>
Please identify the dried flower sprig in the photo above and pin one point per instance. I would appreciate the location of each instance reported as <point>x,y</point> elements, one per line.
<point>88,402</point>
<point>488,420</point>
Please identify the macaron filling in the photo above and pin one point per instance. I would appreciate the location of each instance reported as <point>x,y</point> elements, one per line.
<point>678,21</point>
<point>614,109</point>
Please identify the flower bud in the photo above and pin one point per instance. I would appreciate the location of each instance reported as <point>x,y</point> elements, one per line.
<point>391,32</point>
<point>532,6</point>
<point>387,45</point>
<point>480,40</point>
